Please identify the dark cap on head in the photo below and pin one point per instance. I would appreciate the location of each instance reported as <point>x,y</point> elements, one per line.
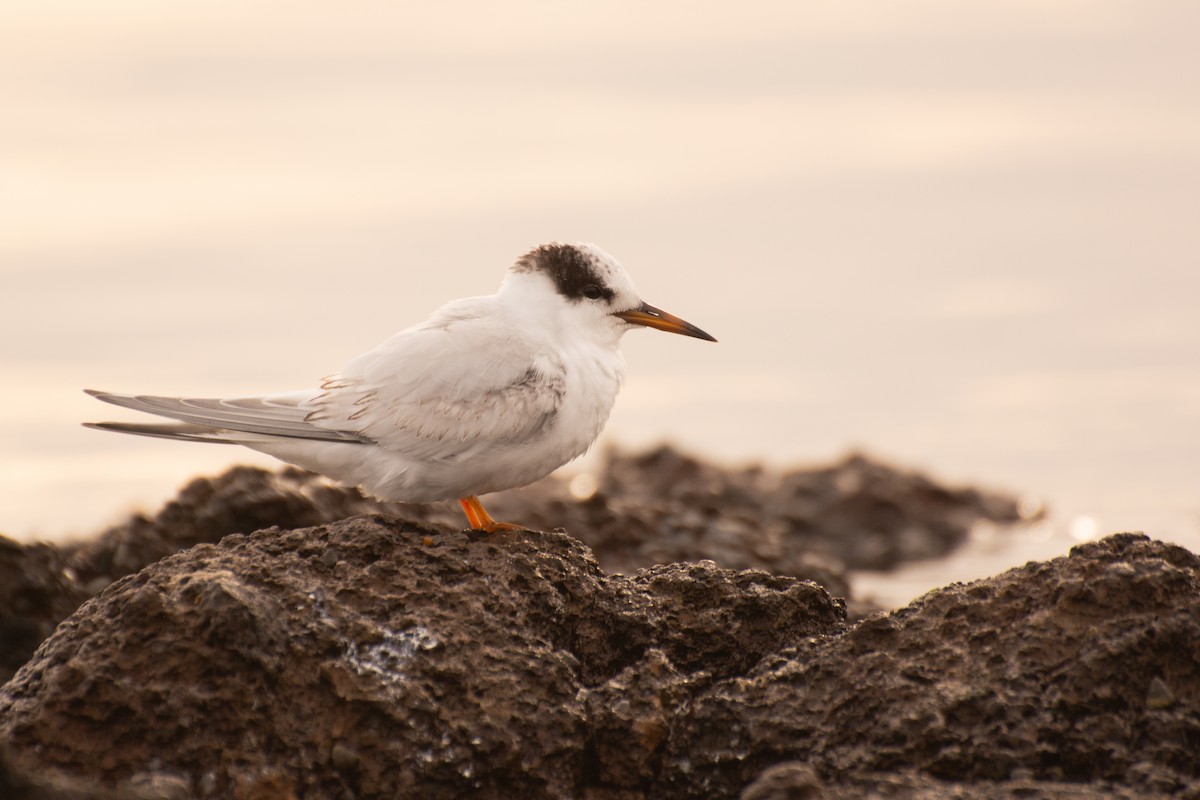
<point>572,269</point>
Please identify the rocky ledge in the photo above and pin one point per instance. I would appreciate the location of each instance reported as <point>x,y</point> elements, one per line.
<point>640,510</point>
<point>374,658</point>
<point>332,647</point>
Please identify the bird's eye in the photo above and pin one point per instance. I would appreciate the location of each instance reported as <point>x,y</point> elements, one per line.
<point>592,292</point>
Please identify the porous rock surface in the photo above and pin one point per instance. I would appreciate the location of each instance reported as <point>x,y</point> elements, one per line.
<point>662,506</point>
<point>656,507</point>
<point>370,658</point>
<point>1083,670</point>
<point>36,593</point>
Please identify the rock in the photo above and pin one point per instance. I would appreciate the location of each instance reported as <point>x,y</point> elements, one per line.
<point>37,591</point>
<point>790,780</point>
<point>663,506</point>
<point>653,508</point>
<point>41,584</point>
<point>1045,673</point>
<point>17,783</point>
<point>657,507</point>
<point>795,781</point>
<point>369,658</point>
<point>240,500</point>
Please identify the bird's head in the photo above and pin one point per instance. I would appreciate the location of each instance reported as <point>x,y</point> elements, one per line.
<point>584,288</point>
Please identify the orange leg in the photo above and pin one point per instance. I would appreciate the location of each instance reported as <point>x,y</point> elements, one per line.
<point>480,520</point>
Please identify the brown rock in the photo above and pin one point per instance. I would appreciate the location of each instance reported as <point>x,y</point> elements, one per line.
<point>37,591</point>
<point>657,507</point>
<point>652,508</point>
<point>20,783</point>
<point>1045,673</point>
<point>795,781</point>
<point>662,506</point>
<point>240,500</point>
<point>355,660</point>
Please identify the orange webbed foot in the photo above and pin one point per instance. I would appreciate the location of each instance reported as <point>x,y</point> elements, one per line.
<point>481,520</point>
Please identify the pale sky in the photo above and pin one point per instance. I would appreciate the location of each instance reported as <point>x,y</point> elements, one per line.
<point>962,237</point>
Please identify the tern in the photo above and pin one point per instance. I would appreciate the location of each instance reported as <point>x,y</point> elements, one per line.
<point>489,393</point>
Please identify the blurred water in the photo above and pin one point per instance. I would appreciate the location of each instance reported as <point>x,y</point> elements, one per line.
<point>960,237</point>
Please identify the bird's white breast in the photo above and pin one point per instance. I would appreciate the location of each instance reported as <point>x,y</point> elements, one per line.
<point>591,376</point>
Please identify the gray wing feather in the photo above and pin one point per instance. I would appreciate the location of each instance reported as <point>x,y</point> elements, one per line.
<point>179,430</point>
<point>267,416</point>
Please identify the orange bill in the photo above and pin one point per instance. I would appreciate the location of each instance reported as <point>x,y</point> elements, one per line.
<point>652,317</point>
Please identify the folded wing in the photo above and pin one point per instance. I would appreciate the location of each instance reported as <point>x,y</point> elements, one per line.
<point>429,394</point>
<point>424,393</point>
<point>280,415</point>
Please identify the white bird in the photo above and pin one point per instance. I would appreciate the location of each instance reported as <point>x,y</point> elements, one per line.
<point>489,393</point>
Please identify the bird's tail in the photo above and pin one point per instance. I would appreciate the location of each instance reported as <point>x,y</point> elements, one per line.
<point>237,420</point>
<point>180,431</point>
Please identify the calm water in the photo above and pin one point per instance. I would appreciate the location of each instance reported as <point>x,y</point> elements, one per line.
<point>963,239</point>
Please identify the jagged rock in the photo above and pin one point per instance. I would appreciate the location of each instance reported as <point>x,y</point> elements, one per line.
<point>19,784</point>
<point>37,591</point>
<point>653,508</point>
<point>656,507</point>
<point>1048,673</point>
<point>373,659</point>
<point>857,512</point>
<point>796,781</point>
<point>239,500</point>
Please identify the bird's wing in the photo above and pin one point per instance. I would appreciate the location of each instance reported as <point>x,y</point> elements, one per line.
<point>445,390</point>
<point>454,386</point>
<point>281,415</point>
